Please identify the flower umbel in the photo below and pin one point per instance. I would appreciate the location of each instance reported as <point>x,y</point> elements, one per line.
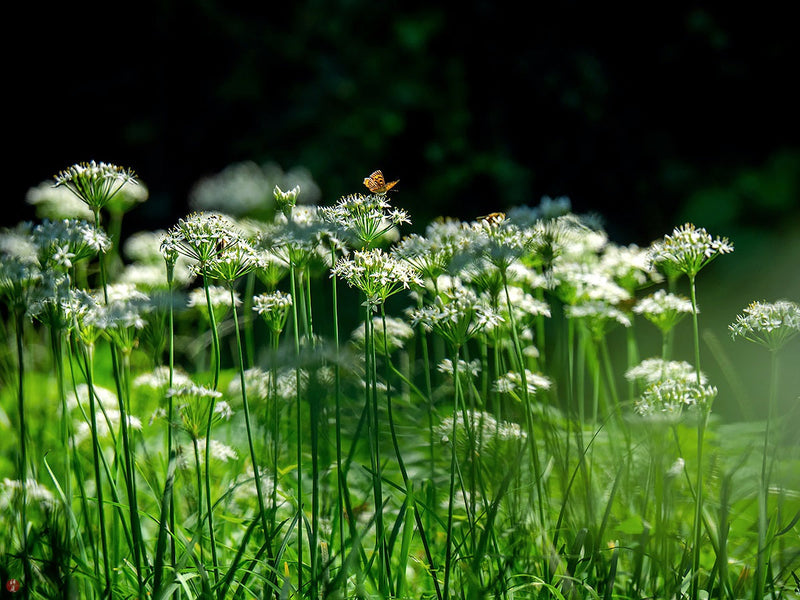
<point>376,273</point>
<point>770,324</point>
<point>688,250</point>
<point>95,183</point>
<point>274,309</point>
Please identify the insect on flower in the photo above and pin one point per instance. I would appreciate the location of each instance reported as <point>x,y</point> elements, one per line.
<point>494,218</point>
<point>377,185</point>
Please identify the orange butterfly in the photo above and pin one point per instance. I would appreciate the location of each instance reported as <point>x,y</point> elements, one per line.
<point>376,184</point>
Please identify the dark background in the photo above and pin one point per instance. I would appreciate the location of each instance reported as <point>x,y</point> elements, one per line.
<point>475,106</point>
<point>648,116</point>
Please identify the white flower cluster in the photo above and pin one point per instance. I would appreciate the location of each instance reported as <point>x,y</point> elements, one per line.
<point>377,273</point>
<point>365,219</point>
<point>687,250</point>
<point>669,397</point>
<point>457,317</point>
<point>511,382</point>
<point>770,324</point>
<point>653,370</point>
<point>95,183</point>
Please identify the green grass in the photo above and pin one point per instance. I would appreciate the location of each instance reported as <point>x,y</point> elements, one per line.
<point>528,466</point>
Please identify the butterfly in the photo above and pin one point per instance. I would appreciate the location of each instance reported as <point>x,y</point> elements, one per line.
<point>377,185</point>
<point>494,218</point>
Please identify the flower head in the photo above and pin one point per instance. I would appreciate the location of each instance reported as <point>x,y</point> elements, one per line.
<point>398,332</point>
<point>62,243</point>
<point>663,309</point>
<point>669,397</point>
<point>365,219</point>
<point>95,183</point>
<point>457,317</point>
<point>274,309</point>
<point>377,273</point>
<point>687,250</point>
<point>653,370</point>
<point>286,201</point>
<point>770,324</point>
<point>233,261</point>
<point>200,237</point>
<point>195,403</point>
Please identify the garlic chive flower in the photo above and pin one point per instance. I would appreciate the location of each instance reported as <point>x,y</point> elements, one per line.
<point>769,324</point>
<point>428,255</point>
<point>286,201</point>
<point>50,300</point>
<point>232,262</point>
<point>668,398</point>
<point>216,450</point>
<point>65,242</point>
<point>194,402</point>
<point>122,317</point>
<point>200,237</point>
<point>511,383</point>
<point>274,309</point>
<point>484,429</point>
<point>456,318</point>
<point>18,280</point>
<point>95,183</point>
<point>366,219</point>
<point>653,370</point>
<point>663,309</point>
<point>687,250</point>
<point>295,240</point>
<point>501,244</point>
<point>376,273</point>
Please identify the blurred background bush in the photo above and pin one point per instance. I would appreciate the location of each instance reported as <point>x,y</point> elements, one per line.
<point>649,116</point>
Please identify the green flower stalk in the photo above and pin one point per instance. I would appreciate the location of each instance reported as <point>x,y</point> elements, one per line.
<point>664,310</point>
<point>687,251</point>
<point>456,319</point>
<point>199,409</point>
<point>770,325</point>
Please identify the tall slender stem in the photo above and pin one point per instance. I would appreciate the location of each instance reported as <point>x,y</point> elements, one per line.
<point>299,425</point>
<point>701,427</point>
<point>216,367</point>
<point>23,448</point>
<point>247,421</point>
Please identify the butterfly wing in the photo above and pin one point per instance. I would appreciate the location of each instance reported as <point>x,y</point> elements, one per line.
<point>377,184</point>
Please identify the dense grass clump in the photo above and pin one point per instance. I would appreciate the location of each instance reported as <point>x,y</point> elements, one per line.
<point>299,402</point>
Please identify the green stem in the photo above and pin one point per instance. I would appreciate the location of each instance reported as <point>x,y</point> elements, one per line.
<point>89,365</point>
<point>762,565</point>
<point>207,467</point>
<point>23,449</point>
<point>701,427</point>
<point>247,421</point>
<point>340,474</point>
<point>520,367</point>
<point>401,465</point>
<point>371,398</point>
<point>299,428</point>
<point>448,559</point>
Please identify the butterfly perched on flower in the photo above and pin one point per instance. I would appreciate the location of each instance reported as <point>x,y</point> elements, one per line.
<point>377,185</point>
<point>494,218</point>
